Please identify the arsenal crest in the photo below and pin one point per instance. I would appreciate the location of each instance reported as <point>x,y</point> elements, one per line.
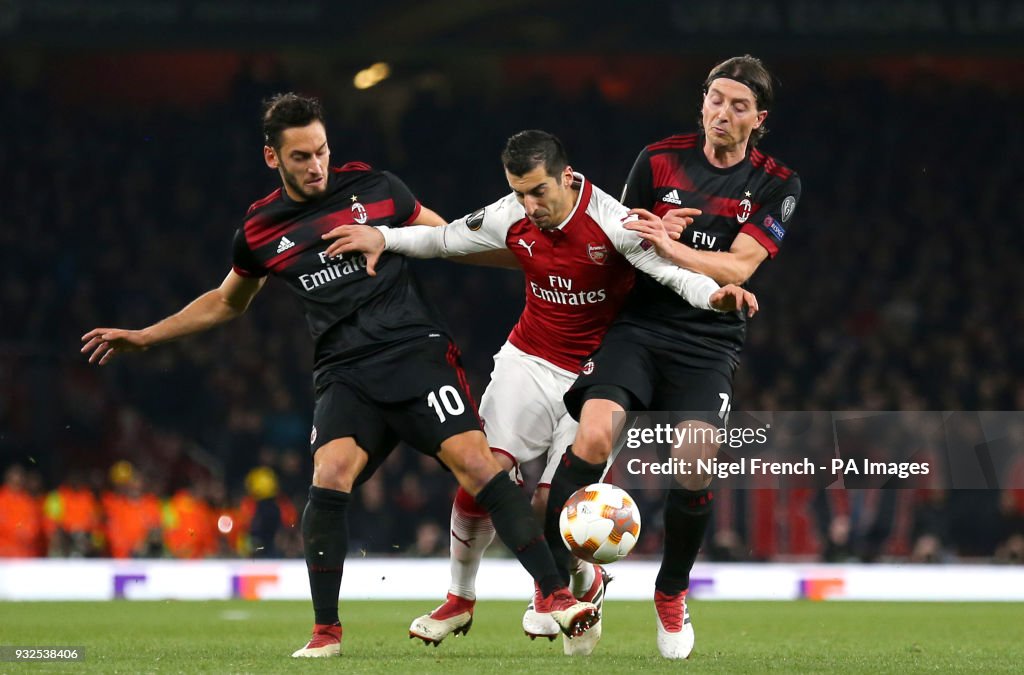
<point>597,252</point>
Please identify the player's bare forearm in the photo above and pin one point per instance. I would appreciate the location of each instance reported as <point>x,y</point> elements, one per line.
<point>725,267</point>
<point>210,309</point>
<point>222,304</point>
<point>205,312</point>
<point>718,265</point>
<point>734,266</point>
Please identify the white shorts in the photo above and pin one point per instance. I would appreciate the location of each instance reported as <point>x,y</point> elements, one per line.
<point>523,413</point>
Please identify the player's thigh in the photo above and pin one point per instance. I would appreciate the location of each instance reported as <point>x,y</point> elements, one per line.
<point>620,363</point>
<point>470,460</point>
<point>522,406</point>
<point>425,397</point>
<point>691,392</point>
<point>343,412</point>
<point>698,401</point>
<point>338,463</point>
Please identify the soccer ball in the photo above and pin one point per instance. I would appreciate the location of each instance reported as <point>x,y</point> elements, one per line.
<point>600,523</point>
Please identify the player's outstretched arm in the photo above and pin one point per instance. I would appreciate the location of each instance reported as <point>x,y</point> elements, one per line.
<point>428,217</point>
<point>210,309</point>
<point>734,266</point>
<point>697,289</point>
<point>415,241</point>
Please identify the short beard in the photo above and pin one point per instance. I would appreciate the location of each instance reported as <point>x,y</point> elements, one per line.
<point>300,189</point>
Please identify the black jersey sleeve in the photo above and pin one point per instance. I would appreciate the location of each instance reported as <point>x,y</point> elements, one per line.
<point>639,190</point>
<point>770,223</point>
<point>407,207</point>
<point>243,261</point>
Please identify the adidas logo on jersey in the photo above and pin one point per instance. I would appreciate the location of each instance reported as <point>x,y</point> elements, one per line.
<point>284,244</point>
<point>672,198</point>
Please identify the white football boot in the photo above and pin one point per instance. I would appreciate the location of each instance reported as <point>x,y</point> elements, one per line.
<point>675,632</point>
<point>326,641</point>
<point>584,644</point>
<point>455,616</point>
<point>539,624</point>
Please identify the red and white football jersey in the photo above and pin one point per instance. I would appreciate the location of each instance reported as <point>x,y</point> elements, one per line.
<point>578,274</point>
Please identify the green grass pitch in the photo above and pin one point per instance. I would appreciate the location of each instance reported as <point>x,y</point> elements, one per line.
<point>241,636</point>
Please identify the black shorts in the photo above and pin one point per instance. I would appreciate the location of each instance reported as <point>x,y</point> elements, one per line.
<point>417,393</point>
<point>657,378</point>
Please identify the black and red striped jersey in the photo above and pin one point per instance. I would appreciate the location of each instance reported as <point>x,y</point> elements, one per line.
<point>350,314</point>
<point>757,197</point>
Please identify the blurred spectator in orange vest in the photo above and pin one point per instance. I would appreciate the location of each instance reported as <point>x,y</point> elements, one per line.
<point>264,513</point>
<point>21,517</point>
<point>189,525</point>
<point>72,519</point>
<point>132,516</point>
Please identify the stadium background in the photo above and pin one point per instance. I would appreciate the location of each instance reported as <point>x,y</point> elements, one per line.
<point>131,147</point>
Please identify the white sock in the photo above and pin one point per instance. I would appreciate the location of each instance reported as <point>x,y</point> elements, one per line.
<point>581,576</point>
<point>470,537</point>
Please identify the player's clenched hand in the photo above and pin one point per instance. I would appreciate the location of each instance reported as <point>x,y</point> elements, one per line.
<point>651,228</point>
<point>102,343</point>
<point>731,298</point>
<point>363,238</point>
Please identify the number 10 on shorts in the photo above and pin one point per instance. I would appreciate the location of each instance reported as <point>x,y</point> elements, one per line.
<point>447,397</point>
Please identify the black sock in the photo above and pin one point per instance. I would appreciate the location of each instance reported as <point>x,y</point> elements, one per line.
<point>686,520</point>
<point>572,474</point>
<point>325,542</point>
<point>519,530</point>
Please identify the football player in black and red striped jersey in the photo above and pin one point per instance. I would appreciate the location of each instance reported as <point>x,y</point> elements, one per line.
<point>385,368</point>
<point>664,354</point>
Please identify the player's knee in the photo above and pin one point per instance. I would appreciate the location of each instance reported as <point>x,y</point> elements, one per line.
<point>539,502</point>
<point>506,462</point>
<point>694,482</point>
<point>593,443</point>
<point>470,459</point>
<point>336,465</point>
<point>696,452</point>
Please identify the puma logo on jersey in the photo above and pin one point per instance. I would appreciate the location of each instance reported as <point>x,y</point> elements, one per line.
<point>528,247</point>
<point>672,198</point>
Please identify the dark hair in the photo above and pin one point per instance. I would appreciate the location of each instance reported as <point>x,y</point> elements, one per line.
<point>284,111</point>
<point>750,71</point>
<point>529,149</point>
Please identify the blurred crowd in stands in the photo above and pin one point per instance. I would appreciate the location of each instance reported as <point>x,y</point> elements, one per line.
<point>897,289</point>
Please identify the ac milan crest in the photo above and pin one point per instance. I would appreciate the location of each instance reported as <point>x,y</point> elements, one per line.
<point>588,367</point>
<point>743,210</point>
<point>359,213</point>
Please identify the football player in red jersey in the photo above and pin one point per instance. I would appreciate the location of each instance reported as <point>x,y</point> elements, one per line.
<point>578,262</point>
